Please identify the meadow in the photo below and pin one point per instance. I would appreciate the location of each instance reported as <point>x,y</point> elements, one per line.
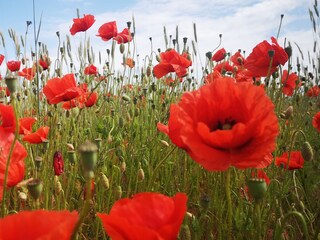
<point>91,148</point>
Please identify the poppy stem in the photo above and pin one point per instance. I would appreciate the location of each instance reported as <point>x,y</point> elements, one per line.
<point>229,204</point>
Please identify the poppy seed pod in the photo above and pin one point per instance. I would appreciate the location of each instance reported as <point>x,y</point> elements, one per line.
<point>72,156</point>
<point>35,188</point>
<point>89,156</point>
<point>257,188</point>
<point>307,151</point>
<point>11,83</point>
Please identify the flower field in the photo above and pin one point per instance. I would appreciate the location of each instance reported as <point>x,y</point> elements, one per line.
<point>91,148</point>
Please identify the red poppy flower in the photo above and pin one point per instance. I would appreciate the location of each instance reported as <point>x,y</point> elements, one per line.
<point>58,163</point>
<point>91,99</point>
<point>27,73</point>
<point>289,83</point>
<point>82,24</point>
<point>316,121</point>
<point>244,75</point>
<point>13,66</point>
<point>151,215</point>
<point>259,60</point>
<point>91,70</point>
<point>212,76</point>
<point>313,92</point>
<point>7,118</point>
<point>219,55</point>
<point>219,131</point>
<point>123,37</point>
<point>39,224</point>
<point>44,62</point>
<point>108,31</point>
<point>223,67</point>
<point>37,137</point>
<point>130,62</point>
<point>237,59</point>
<point>296,160</point>
<point>25,125</point>
<point>16,166</point>
<point>61,89</point>
<point>171,61</point>
<point>1,59</point>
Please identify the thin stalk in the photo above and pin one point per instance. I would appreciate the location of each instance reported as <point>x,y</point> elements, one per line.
<point>229,204</point>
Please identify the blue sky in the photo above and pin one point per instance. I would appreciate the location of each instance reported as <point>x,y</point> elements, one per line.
<point>243,23</point>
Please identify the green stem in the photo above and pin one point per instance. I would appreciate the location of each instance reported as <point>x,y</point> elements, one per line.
<point>229,204</point>
<point>257,213</point>
<point>300,218</point>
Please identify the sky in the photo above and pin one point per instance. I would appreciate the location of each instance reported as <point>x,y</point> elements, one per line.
<point>243,24</point>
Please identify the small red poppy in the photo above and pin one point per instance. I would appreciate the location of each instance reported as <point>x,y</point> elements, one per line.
<point>123,37</point>
<point>13,66</point>
<point>108,31</point>
<point>91,99</point>
<point>172,61</point>
<point>27,73</point>
<point>223,67</point>
<point>37,137</point>
<point>316,121</point>
<point>25,125</point>
<point>61,89</point>
<point>39,224</point>
<point>290,82</point>
<point>82,24</point>
<point>237,59</point>
<point>313,92</point>
<point>219,55</point>
<point>1,59</point>
<point>44,62</point>
<point>258,62</point>
<point>151,215</point>
<point>91,70</point>
<point>296,160</point>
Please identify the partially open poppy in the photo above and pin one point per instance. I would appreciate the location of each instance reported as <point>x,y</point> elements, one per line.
<point>82,24</point>
<point>224,124</point>
<point>219,55</point>
<point>27,73</point>
<point>39,224</point>
<point>123,37</point>
<point>7,118</point>
<point>260,62</point>
<point>13,66</point>
<point>107,31</point>
<point>25,125</point>
<point>37,137</point>
<point>172,61</point>
<point>151,215</point>
<point>61,89</point>
<point>296,160</point>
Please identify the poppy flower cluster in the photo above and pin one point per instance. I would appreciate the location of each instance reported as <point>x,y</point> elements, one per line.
<point>39,224</point>
<point>151,215</point>
<point>109,31</point>
<point>17,165</point>
<point>295,161</point>
<point>218,131</point>
<point>172,61</point>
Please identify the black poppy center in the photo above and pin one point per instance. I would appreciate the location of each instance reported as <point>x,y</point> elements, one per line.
<point>225,124</point>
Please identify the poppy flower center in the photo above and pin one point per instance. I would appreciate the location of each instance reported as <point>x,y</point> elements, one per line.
<point>227,124</point>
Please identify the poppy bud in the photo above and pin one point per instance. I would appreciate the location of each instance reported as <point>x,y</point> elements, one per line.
<point>89,156</point>
<point>257,188</point>
<point>122,48</point>
<point>11,84</point>
<point>126,98</point>
<point>105,181</point>
<point>288,50</point>
<point>158,58</point>
<point>121,122</point>
<point>307,151</point>
<point>35,188</point>
<point>123,166</point>
<point>287,113</point>
<point>140,174</point>
<point>118,193</point>
<point>58,163</point>
<point>57,186</point>
<point>148,71</point>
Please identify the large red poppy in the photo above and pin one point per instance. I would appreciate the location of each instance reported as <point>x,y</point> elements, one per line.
<point>151,215</point>
<point>27,73</point>
<point>13,66</point>
<point>296,160</point>
<point>1,59</point>
<point>316,121</point>
<point>61,89</point>
<point>258,61</point>
<point>172,61</point>
<point>37,137</point>
<point>39,224</point>
<point>108,30</point>
<point>16,167</point>
<point>123,37</point>
<point>82,24</point>
<point>224,124</point>
<point>290,82</point>
<point>219,55</point>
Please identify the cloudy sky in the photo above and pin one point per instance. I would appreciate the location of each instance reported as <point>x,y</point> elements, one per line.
<point>243,24</point>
